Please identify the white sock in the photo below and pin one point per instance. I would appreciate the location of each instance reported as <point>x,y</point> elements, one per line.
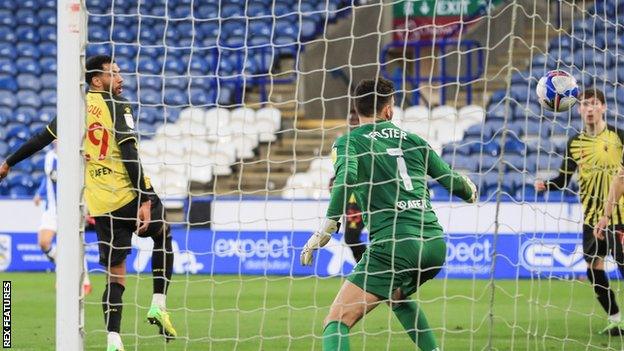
<point>615,318</point>
<point>86,280</point>
<point>159,300</point>
<point>113,339</point>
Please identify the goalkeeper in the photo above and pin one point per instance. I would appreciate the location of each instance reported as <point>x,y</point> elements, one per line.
<point>386,169</point>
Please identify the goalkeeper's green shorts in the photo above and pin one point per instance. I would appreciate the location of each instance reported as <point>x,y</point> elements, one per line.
<point>404,262</point>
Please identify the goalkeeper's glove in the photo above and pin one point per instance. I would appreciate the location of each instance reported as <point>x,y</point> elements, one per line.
<point>319,239</point>
<point>473,189</point>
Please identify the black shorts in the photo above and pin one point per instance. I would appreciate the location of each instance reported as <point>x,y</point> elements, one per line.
<point>611,245</point>
<point>114,230</point>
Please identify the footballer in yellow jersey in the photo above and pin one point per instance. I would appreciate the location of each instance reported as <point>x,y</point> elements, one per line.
<point>119,196</point>
<point>596,154</point>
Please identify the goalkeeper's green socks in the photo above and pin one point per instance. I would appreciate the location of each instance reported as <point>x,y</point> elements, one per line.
<point>416,325</point>
<point>336,337</point>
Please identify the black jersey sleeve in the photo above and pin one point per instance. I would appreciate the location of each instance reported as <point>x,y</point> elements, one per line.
<point>34,144</point>
<point>567,169</point>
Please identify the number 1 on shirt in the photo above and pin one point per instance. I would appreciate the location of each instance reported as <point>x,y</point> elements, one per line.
<point>407,181</point>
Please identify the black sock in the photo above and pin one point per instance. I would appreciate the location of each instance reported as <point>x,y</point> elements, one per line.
<point>47,253</point>
<point>112,306</point>
<point>162,262</point>
<point>604,294</point>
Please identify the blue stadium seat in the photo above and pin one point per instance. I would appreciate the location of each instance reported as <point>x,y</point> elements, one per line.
<point>208,33</point>
<point>48,65</point>
<point>122,34</point>
<point>530,111</point>
<point>174,66</point>
<point>28,4</point>
<point>28,65</point>
<point>201,97</point>
<point>48,81</point>
<point>149,66</point>
<point>128,7</point>
<point>232,10</point>
<point>7,18</point>
<point>224,96</point>
<point>180,83</point>
<point>48,50</point>
<point>7,35</point>
<point>5,116</point>
<point>47,114</point>
<point>206,10</point>
<point>259,33</point>
<point>258,9</point>
<point>199,65</point>
<point>28,82</point>
<point>24,115</point>
<point>36,127</point>
<point>475,131</point>
<point>14,144</point>
<point>28,50</point>
<point>7,67</point>
<point>8,83</point>
<point>48,97</point>
<point>488,147</point>
<point>23,167</point>
<point>4,148</point>
<point>516,163</point>
<point>47,33</point>
<point>7,99</point>
<point>27,34</point>
<point>499,111</point>
<point>20,191</point>
<point>29,99</point>
<point>150,97</point>
<point>126,64</point>
<point>516,129</point>
<point>7,51</point>
<point>148,81</point>
<point>538,129</point>
<point>176,97</point>
<point>17,130</point>
<point>47,16</point>
<point>201,82</point>
<point>149,36</point>
<point>183,10</point>
<point>98,34</point>
<point>26,18</point>
<point>233,33</point>
<point>514,146</point>
<point>150,115</point>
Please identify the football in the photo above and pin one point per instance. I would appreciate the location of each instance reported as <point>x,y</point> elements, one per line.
<point>557,91</point>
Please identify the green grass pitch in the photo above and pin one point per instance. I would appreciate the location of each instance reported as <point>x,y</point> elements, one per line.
<point>282,313</point>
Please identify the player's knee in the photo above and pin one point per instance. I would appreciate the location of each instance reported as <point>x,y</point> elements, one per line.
<point>44,242</point>
<point>346,315</point>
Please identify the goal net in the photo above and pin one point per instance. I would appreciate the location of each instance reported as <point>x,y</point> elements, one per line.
<point>237,104</point>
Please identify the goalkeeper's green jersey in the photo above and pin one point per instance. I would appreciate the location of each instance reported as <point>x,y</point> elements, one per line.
<point>386,168</point>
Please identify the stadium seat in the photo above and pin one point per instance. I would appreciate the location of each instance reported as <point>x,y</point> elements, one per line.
<point>28,65</point>
<point>8,99</point>
<point>47,16</point>
<point>24,116</point>
<point>4,148</point>
<point>297,186</point>
<point>29,99</point>
<point>47,33</point>
<point>7,51</point>
<point>7,35</point>
<point>8,83</point>
<point>476,131</point>
<point>36,127</point>
<point>27,34</point>
<point>28,50</point>
<point>28,82</point>
<point>243,114</point>
<point>150,97</point>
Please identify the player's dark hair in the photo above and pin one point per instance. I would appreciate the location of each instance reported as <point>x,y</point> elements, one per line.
<point>593,93</point>
<point>371,96</point>
<point>95,66</point>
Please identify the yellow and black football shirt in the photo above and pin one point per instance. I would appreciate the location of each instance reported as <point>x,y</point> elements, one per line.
<point>597,160</point>
<point>109,123</point>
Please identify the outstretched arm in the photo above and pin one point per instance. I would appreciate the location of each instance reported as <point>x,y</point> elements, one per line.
<point>29,148</point>
<point>455,183</point>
